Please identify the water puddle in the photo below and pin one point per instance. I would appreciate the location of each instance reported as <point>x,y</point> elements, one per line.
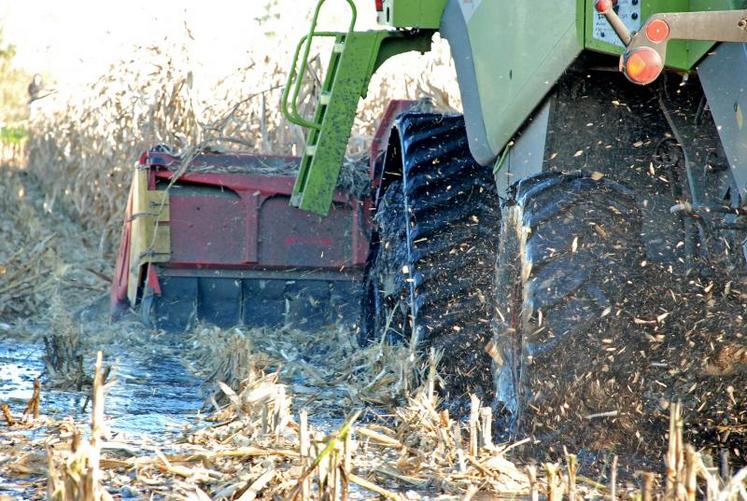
<point>153,399</point>
<point>153,393</point>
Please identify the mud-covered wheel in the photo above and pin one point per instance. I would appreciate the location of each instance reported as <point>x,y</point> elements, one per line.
<point>437,227</point>
<point>568,245</point>
<point>384,300</point>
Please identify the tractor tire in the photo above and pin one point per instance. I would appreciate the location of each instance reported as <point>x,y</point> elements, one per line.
<point>569,247</point>
<point>437,239</point>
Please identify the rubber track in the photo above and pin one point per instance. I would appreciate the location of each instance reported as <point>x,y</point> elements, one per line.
<point>568,244</point>
<point>452,219</point>
<point>384,301</point>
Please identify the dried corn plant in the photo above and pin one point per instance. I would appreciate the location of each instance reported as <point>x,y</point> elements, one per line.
<point>27,256</point>
<point>81,151</point>
<point>76,476</point>
<point>63,357</point>
<point>381,374</point>
<point>328,359</point>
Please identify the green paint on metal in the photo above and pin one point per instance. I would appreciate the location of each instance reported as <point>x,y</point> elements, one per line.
<point>502,159</point>
<point>519,50</point>
<point>395,43</point>
<point>296,74</point>
<point>289,99</point>
<point>412,13</point>
<point>696,50</point>
<point>581,21</point>
<point>356,57</point>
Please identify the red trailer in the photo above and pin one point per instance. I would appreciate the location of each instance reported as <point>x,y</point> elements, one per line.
<point>217,241</point>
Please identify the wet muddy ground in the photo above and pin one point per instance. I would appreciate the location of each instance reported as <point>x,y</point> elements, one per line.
<point>152,399</point>
<point>157,402</point>
<point>153,393</point>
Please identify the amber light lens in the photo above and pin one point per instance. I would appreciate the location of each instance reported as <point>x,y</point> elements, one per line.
<point>657,30</point>
<point>643,65</point>
<point>603,6</point>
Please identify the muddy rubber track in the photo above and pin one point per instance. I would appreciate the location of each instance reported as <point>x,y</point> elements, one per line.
<point>451,218</point>
<point>569,243</point>
<point>385,299</point>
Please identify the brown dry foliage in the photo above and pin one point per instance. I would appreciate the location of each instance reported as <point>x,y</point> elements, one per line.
<point>82,152</point>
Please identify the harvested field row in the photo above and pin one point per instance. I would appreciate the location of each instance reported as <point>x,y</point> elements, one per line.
<point>273,438</point>
<point>655,410</point>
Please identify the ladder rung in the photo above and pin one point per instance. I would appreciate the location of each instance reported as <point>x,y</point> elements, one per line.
<point>310,150</point>
<point>324,98</point>
<point>339,47</point>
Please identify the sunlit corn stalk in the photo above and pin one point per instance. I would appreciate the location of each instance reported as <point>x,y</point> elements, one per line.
<point>78,478</point>
<point>82,153</point>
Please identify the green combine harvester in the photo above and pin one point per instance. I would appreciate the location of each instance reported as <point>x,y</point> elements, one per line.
<point>598,138</point>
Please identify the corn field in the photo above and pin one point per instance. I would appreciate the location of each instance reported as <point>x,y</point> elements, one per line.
<point>392,436</point>
<point>82,151</point>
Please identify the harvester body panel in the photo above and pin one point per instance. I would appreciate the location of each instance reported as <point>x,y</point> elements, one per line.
<point>510,54</point>
<point>723,76</point>
<point>682,54</point>
<point>504,69</point>
<point>424,14</point>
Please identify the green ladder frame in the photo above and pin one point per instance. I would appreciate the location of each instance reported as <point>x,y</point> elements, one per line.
<point>355,57</point>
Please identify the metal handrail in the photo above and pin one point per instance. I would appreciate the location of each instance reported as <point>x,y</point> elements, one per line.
<point>293,115</point>
<point>295,78</point>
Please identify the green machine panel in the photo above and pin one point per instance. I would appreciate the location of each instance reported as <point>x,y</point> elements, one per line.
<point>518,50</point>
<point>412,13</point>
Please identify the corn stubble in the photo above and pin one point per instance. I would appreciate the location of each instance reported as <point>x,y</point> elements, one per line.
<point>76,475</point>
<point>267,441</point>
<point>295,416</point>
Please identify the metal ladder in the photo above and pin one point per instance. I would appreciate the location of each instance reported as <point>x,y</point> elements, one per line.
<point>326,140</point>
<point>355,57</point>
